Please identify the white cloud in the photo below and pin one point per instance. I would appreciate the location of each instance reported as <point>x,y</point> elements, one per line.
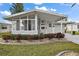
<point>28,8</point>
<point>41,8</point>
<point>52,9</point>
<point>5,13</point>
<point>37,3</point>
<point>44,8</point>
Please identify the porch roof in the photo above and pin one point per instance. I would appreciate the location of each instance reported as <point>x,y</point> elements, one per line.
<point>66,22</point>
<point>5,22</point>
<point>38,11</point>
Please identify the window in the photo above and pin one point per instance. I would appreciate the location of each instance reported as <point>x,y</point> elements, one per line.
<point>17,25</point>
<point>50,25</point>
<point>42,27</point>
<point>78,26</point>
<point>4,27</point>
<point>42,22</point>
<point>31,24</point>
<point>25,24</point>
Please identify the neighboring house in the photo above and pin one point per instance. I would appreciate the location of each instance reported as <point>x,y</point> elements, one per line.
<point>36,21</point>
<point>5,26</point>
<point>72,26</point>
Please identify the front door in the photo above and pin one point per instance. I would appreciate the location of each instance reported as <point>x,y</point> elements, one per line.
<point>43,26</point>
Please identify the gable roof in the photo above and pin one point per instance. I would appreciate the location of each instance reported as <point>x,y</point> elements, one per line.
<point>36,10</point>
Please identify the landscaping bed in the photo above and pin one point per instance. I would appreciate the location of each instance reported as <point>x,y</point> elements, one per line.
<point>40,37</point>
<point>27,42</point>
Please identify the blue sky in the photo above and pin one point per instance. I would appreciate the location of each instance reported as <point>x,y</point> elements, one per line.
<point>72,13</point>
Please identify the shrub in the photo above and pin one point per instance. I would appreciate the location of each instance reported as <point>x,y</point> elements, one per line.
<point>6,37</point>
<point>24,37</point>
<point>59,35</point>
<point>18,38</point>
<point>73,32</point>
<point>29,37</point>
<point>41,36</point>
<point>45,35</point>
<point>35,37</point>
<point>50,36</point>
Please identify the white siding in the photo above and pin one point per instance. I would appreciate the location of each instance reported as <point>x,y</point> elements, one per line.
<point>55,29</point>
<point>58,28</point>
<point>5,30</point>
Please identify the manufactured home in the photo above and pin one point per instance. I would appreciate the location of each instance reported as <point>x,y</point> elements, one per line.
<point>35,22</point>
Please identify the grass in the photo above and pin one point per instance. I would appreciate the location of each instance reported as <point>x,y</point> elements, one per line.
<point>49,49</point>
<point>76,33</point>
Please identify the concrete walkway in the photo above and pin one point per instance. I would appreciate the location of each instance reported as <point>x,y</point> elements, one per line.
<point>72,38</point>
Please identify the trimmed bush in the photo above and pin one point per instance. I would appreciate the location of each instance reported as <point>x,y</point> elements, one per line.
<point>18,38</point>
<point>50,36</point>
<point>24,37</point>
<point>35,37</point>
<point>45,35</point>
<point>41,36</point>
<point>59,35</point>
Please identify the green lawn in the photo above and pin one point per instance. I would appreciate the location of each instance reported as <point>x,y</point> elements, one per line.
<point>76,33</point>
<point>37,50</point>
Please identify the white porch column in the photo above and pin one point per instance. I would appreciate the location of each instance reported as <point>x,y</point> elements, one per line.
<point>27,22</point>
<point>53,28</point>
<point>46,27</point>
<point>71,28</point>
<point>61,26</point>
<point>13,26</point>
<point>36,20</point>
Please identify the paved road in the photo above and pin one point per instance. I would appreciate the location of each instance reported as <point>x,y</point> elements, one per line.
<point>73,38</point>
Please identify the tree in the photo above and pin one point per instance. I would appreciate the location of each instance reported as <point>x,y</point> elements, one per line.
<point>16,8</point>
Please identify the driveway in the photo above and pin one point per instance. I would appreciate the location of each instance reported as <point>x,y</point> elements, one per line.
<point>73,38</point>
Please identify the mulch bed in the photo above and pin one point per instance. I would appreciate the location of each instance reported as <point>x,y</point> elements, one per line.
<point>24,42</point>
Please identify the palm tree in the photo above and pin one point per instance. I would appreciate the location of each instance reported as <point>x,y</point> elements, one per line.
<point>16,8</point>
<point>73,4</point>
